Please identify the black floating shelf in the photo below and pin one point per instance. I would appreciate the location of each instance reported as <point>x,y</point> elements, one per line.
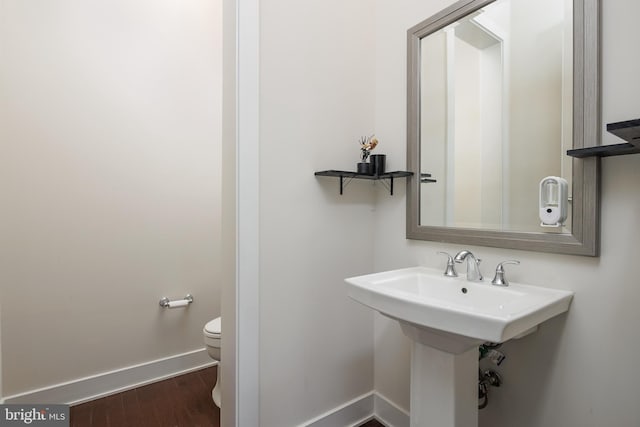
<point>388,176</point>
<point>628,130</point>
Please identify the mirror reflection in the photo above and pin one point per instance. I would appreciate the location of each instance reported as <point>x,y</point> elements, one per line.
<point>495,118</point>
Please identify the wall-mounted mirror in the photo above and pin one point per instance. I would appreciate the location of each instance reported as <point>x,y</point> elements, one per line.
<point>498,91</point>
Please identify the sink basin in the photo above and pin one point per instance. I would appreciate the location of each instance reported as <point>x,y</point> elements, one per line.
<point>425,297</point>
<point>447,317</point>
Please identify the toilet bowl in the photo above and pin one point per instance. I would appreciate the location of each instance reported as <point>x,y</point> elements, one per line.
<point>212,331</point>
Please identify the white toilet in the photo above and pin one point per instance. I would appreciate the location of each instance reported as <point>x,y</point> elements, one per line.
<point>212,331</point>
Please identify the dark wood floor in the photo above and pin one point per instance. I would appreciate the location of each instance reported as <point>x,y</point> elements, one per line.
<point>372,423</point>
<point>183,401</point>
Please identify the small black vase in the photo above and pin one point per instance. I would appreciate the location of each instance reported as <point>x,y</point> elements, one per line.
<point>377,164</point>
<point>364,168</point>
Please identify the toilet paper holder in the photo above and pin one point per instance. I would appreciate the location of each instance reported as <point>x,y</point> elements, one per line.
<point>167,303</point>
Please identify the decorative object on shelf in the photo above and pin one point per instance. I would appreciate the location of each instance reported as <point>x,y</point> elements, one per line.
<point>628,130</point>
<point>378,163</point>
<point>383,178</point>
<point>364,168</point>
<point>366,145</point>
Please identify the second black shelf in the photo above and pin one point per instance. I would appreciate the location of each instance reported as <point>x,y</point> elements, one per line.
<point>628,130</point>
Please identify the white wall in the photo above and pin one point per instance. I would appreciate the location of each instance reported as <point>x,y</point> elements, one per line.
<point>110,116</point>
<point>535,105</point>
<point>227,369</point>
<point>433,119</point>
<point>1,394</point>
<point>578,370</point>
<point>392,19</point>
<point>467,144</point>
<point>316,101</point>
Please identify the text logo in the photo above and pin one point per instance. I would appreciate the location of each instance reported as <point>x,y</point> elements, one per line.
<point>34,415</point>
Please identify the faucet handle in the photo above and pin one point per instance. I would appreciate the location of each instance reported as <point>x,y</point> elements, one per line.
<point>451,266</point>
<point>499,279</point>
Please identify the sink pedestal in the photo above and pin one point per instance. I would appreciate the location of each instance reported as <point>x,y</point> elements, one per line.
<point>447,318</point>
<point>444,387</point>
<point>444,380</point>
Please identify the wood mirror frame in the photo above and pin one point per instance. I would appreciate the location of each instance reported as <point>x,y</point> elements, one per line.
<point>584,237</point>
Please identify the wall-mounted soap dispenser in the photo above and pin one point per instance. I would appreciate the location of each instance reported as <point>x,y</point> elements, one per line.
<point>554,193</point>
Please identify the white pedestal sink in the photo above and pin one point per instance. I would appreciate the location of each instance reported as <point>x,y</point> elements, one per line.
<point>447,318</point>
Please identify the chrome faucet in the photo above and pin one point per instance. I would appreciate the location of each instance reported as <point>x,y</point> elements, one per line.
<point>499,279</point>
<point>451,267</point>
<point>473,265</point>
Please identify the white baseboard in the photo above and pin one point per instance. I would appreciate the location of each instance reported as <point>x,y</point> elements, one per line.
<point>360,410</point>
<point>107,383</point>
<point>389,413</point>
<point>351,413</point>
